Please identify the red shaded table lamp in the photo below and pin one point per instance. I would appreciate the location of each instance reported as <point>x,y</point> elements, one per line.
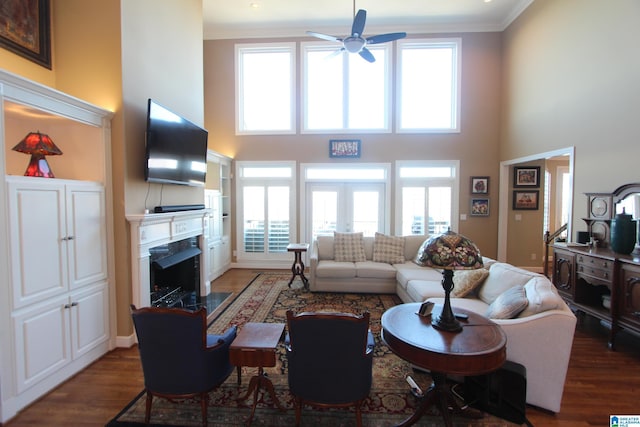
<point>38,145</point>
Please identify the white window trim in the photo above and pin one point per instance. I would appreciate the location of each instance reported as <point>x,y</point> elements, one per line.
<point>304,181</point>
<point>387,128</point>
<point>264,260</point>
<point>402,182</point>
<point>456,43</point>
<point>265,47</point>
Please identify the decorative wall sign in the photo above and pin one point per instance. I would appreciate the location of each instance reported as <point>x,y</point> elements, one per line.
<point>344,148</point>
<point>25,29</point>
<point>479,207</point>
<point>479,185</point>
<point>526,176</point>
<point>525,200</point>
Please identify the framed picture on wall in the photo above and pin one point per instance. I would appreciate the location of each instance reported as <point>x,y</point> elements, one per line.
<point>525,200</point>
<point>528,176</point>
<point>25,29</point>
<point>479,185</point>
<point>479,207</point>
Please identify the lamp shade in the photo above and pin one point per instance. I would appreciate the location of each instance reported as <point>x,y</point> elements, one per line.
<point>37,143</point>
<point>451,251</point>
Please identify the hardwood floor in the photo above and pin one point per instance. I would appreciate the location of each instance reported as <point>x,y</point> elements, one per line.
<point>599,382</point>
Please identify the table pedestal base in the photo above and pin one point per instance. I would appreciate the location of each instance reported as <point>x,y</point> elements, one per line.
<point>439,394</point>
<point>257,383</point>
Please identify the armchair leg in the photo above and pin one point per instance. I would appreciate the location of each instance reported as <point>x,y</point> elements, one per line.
<point>204,403</point>
<point>298,405</point>
<point>147,411</point>
<point>359,414</point>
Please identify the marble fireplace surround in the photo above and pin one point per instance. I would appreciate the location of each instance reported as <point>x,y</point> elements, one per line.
<point>151,230</point>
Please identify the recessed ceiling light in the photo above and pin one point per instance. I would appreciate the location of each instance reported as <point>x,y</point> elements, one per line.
<point>254,5</point>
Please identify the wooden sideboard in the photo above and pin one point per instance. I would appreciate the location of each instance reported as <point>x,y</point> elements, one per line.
<point>601,283</point>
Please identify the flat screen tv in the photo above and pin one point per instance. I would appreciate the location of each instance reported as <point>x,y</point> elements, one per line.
<point>176,149</point>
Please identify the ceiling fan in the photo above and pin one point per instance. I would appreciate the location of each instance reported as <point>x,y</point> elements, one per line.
<point>356,43</point>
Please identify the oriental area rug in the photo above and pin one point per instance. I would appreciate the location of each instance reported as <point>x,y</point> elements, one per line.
<point>267,299</point>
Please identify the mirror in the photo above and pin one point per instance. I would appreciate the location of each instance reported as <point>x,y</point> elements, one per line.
<point>627,197</point>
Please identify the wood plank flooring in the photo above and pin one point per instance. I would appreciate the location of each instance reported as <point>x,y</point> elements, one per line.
<point>599,382</point>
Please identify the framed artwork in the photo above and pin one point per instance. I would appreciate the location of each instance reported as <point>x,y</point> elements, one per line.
<point>479,185</point>
<point>479,207</point>
<point>525,200</point>
<point>526,176</point>
<point>344,148</point>
<point>25,29</point>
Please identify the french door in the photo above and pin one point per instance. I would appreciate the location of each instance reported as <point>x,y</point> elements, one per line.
<point>345,207</point>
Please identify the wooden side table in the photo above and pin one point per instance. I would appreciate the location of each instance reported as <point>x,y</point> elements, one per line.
<point>297,269</point>
<point>478,349</point>
<point>255,346</point>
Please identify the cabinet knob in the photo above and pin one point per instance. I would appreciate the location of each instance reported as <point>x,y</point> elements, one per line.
<point>74,304</point>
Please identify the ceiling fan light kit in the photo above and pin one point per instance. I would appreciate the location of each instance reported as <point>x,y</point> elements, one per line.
<point>355,43</point>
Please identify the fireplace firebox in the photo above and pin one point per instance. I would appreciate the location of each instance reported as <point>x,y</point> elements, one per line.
<point>174,273</point>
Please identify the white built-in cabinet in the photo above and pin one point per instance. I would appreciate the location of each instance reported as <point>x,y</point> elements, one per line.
<point>56,263</point>
<point>218,200</point>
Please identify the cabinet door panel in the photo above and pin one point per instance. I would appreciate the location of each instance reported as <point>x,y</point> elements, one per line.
<point>42,342</point>
<point>87,235</point>
<point>38,248</point>
<point>89,319</point>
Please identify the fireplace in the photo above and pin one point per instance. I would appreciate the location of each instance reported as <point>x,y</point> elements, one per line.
<point>157,241</point>
<point>174,274</point>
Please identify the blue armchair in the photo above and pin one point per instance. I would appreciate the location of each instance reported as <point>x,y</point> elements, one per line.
<point>179,359</point>
<point>330,358</point>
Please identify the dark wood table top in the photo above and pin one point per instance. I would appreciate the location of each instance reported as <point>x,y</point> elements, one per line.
<point>480,347</point>
<point>258,336</point>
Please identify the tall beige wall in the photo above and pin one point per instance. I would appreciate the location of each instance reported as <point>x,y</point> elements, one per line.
<point>476,146</point>
<point>571,72</point>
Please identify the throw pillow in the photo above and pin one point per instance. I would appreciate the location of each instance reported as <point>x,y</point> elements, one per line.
<point>348,247</point>
<point>421,255</point>
<point>388,249</point>
<point>466,281</point>
<point>509,304</point>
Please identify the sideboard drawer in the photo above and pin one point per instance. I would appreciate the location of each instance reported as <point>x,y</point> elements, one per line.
<point>593,262</point>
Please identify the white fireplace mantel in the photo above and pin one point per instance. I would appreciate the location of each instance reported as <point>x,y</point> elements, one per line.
<point>151,230</point>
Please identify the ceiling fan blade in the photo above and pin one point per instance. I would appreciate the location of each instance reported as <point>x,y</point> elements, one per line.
<point>358,22</point>
<point>324,36</point>
<point>366,54</point>
<point>334,54</point>
<point>382,38</point>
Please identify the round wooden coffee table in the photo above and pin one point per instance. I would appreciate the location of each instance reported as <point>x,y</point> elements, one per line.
<point>479,349</point>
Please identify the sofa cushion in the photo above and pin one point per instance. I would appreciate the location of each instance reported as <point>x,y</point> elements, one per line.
<point>375,270</point>
<point>388,249</point>
<point>325,247</point>
<point>542,296</point>
<point>410,271</point>
<point>509,304</point>
<point>466,281</point>
<point>501,277</point>
<point>421,290</point>
<point>412,243</point>
<point>421,256</point>
<point>348,247</point>
<point>334,269</point>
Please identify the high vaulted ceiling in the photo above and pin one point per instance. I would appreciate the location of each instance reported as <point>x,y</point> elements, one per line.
<point>225,19</point>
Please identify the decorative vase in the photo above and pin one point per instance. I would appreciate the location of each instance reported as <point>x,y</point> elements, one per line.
<point>623,233</point>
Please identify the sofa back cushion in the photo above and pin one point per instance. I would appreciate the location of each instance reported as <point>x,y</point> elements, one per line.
<point>542,296</point>
<point>411,245</point>
<point>348,247</point>
<point>501,277</point>
<point>325,247</point>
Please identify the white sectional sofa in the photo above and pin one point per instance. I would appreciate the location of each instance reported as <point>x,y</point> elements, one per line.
<point>539,337</point>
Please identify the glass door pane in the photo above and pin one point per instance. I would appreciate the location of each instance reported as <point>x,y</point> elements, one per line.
<point>253,214</point>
